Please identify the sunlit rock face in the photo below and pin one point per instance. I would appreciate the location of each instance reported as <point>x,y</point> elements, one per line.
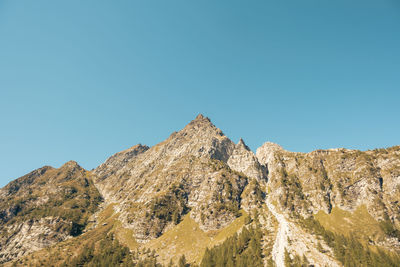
<point>199,183</point>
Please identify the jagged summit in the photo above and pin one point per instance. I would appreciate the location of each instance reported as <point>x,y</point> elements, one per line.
<point>201,117</point>
<point>243,144</point>
<point>198,138</point>
<point>196,158</point>
<point>243,159</point>
<point>70,164</point>
<point>201,126</point>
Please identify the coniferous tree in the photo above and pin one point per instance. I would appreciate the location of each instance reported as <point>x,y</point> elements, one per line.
<point>182,261</point>
<point>288,260</point>
<point>242,249</point>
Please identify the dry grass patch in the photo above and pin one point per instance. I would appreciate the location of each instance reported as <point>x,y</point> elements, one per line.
<point>359,222</point>
<point>187,238</point>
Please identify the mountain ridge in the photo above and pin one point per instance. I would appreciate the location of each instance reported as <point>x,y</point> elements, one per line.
<point>198,182</point>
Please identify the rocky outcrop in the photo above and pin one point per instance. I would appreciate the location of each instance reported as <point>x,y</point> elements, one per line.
<point>44,207</point>
<point>194,160</point>
<point>337,177</point>
<point>302,184</point>
<point>20,239</point>
<point>243,160</point>
<point>118,161</point>
<point>266,153</point>
<point>294,240</point>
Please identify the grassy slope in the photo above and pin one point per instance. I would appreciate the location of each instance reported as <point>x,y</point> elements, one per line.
<point>360,222</point>
<point>187,238</point>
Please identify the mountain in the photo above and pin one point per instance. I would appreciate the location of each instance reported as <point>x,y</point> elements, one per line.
<point>45,207</point>
<point>198,198</point>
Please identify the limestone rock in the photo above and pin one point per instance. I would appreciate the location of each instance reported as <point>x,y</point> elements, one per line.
<point>193,160</point>
<point>243,160</point>
<point>44,207</point>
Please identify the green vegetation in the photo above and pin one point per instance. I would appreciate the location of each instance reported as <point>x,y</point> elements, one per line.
<point>293,197</point>
<point>68,249</point>
<point>227,198</point>
<point>169,207</point>
<point>389,229</point>
<point>227,195</point>
<point>296,261</point>
<point>359,222</point>
<point>182,262</point>
<point>111,253</point>
<point>74,201</point>
<point>349,250</point>
<point>188,239</point>
<point>239,250</point>
<point>253,189</point>
<point>232,228</point>
<point>217,165</point>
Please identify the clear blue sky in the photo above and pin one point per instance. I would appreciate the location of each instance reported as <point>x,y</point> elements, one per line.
<point>81,80</point>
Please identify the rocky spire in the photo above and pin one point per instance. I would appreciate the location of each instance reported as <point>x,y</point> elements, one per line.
<point>241,143</point>
<point>201,117</point>
<point>244,160</point>
<point>202,123</point>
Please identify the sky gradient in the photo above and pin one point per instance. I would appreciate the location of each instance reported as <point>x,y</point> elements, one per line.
<point>81,80</point>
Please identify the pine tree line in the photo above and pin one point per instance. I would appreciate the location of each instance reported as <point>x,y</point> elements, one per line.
<point>240,250</point>
<point>350,251</point>
<point>111,253</point>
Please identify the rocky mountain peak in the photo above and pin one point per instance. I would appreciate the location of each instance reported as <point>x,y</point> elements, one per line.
<point>241,143</point>
<point>201,117</point>
<point>69,170</point>
<point>71,165</point>
<point>202,126</point>
<point>266,152</point>
<point>199,138</point>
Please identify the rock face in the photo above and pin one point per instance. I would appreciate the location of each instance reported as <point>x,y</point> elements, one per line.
<point>44,207</point>
<point>340,178</point>
<point>266,153</point>
<point>304,184</point>
<point>118,161</point>
<point>243,160</point>
<point>32,235</point>
<point>186,172</point>
<point>200,181</point>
